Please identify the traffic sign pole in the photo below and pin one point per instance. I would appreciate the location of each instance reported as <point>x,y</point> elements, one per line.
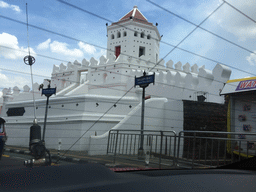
<point>143,82</point>
<point>48,93</point>
<point>141,150</point>
<point>45,116</point>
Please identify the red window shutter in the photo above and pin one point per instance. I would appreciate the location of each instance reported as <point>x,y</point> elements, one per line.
<point>117,51</point>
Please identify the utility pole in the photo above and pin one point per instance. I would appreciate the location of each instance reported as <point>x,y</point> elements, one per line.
<point>143,82</point>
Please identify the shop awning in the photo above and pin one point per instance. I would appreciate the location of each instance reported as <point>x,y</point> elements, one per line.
<point>239,85</point>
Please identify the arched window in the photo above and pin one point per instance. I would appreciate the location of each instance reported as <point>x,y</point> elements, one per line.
<point>112,36</point>
<point>135,33</point>
<point>118,34</point>
<point>142,35</point>
<point>148,37</point>
<point>125,33</point>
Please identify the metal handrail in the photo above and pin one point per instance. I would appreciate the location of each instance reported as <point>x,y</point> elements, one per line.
<point>195,136</point>
<point>131,138</point>
<point>116,146</point>
<point>218,132</point>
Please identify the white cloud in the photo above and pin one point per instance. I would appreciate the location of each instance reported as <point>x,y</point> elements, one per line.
<point>234,22</point>
<point>62,48</point>
<point>252,58</point>
<point>9,47</point>
<point>13,7</point>
<point>13,81</point>
<point>3,4</point>
<point>44,45</point>
<point>87,48</point>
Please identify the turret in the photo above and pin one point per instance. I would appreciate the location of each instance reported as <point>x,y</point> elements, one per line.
<point>133,36</point>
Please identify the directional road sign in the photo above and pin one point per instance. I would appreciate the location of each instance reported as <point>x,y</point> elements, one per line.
<point>48,91</point>
<point>145,80</point>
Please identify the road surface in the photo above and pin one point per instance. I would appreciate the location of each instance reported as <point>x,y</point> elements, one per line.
<point>16,160</point>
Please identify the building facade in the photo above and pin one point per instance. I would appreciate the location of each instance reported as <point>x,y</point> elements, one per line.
<point>96,96</point>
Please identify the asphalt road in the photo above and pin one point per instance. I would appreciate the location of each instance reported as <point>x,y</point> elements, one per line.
<point>16,160</point>
<point>10,161</point>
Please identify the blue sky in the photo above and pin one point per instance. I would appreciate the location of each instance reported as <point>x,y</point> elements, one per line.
<point>90,30</point>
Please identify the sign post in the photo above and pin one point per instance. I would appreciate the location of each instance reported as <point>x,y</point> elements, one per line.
<point>143,82</point>
<point>48,93</point>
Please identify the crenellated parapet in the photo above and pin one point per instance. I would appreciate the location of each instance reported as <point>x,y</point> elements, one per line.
<point>118,74</point>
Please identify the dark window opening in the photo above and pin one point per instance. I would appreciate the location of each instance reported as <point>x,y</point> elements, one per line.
<point>125,33</point>
<point>142,35</point>
<point>148,37</point>
<point>135,34</point>
<point>118,34</point>
<point>112,36</point>
<point>19,111</point>
<point>141,51</point>
<point>117,51</point>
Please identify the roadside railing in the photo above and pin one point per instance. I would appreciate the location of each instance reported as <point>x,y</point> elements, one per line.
<point>212,148</point>
<point>191,149</point>
<point>156,145</point>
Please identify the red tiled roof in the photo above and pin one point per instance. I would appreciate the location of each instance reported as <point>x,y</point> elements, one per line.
<point>127,16</point>
<point>136,15</point>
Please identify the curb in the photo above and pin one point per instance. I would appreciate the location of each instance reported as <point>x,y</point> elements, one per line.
<point>56,157</point>
<point>113,167</point>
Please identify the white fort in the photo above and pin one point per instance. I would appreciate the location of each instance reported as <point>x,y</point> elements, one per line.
<point>86,92</point>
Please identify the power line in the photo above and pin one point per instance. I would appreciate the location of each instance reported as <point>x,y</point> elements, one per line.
<point>148,107</point>
<point>216,35</point>
<point>111,71</point>
<point>40,55</point>
<point>175,47</point>
<point>197,26</point>
<point>170,85</point>
<point>131,88</point>
<point>59,34</point>
<point>125,75</point>
<point>103,18</point>
<point>239,11</point>
<point>14,71</point>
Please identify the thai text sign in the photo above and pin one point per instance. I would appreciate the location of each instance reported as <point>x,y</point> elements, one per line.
<point>248,84</point>
<point>49,91</point>
<point>145,80</point>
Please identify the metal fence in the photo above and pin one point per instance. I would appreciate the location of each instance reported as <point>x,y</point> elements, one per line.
<point>159,144</point>
<point>211,148</point>
<point>191,149</point>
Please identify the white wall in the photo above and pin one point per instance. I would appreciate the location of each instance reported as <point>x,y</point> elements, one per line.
<point>154,113</point>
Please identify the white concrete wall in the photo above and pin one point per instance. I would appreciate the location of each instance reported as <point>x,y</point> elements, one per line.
<point>130,44</point>
<point>116,77</point>
<point>154,113</point>
<point>69,133</point>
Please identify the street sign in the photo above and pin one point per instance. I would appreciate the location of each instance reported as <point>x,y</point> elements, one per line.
<point>145,80</point>
<point>48,91</point>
